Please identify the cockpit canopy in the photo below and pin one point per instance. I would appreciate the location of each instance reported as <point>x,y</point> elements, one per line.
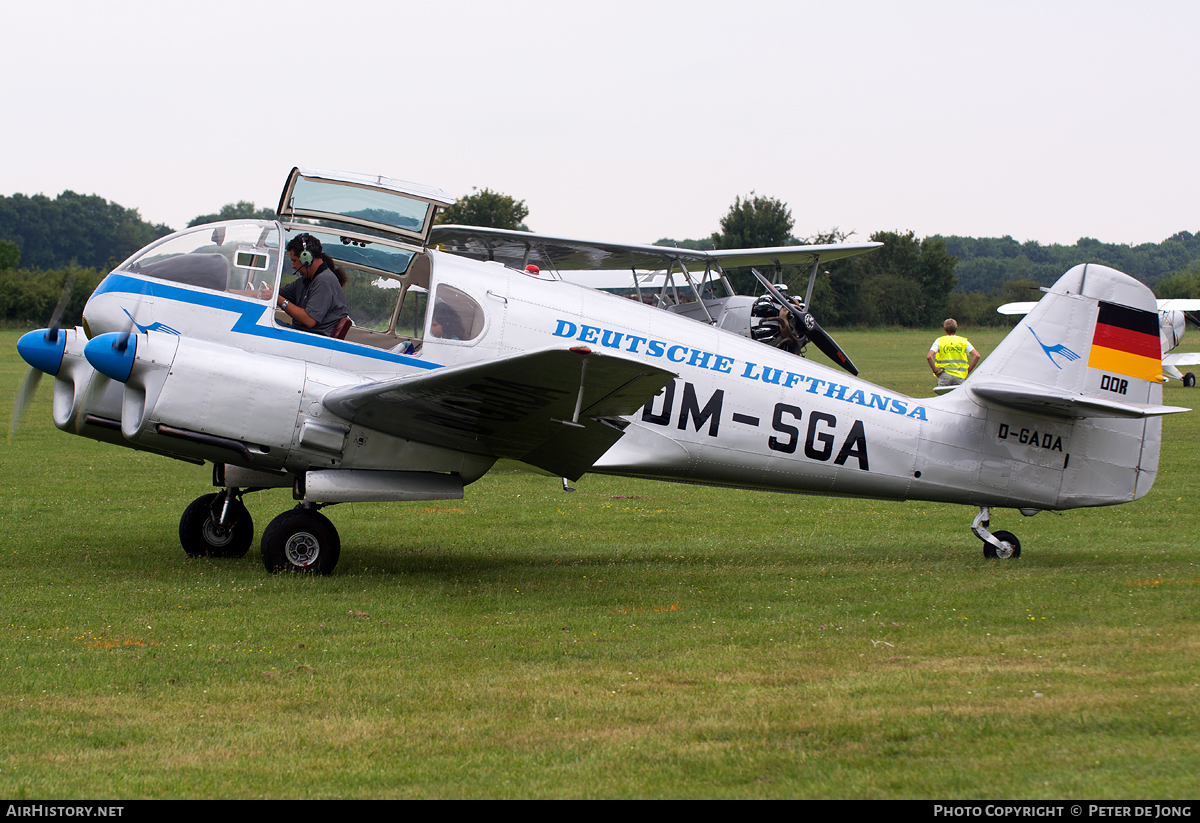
<point>231,256</point>
<point>372,204</point>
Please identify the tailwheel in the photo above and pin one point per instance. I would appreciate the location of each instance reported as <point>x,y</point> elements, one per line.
<point>1010,546</point>
<point>216,525</point>
<point>1001,544</point>
<point>301,540</point>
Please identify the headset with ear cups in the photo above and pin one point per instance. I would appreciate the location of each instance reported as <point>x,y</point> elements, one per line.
<point>305,255</point>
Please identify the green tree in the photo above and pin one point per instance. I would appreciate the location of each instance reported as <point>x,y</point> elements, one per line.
<point>756,222</point>
<point>1183,284</point>
<point>85,229</point>
<point>10,255</point>
<point>693,245</point>
<point>907,282</point>
<point>241,210</point>
<point>487,209</point>
<point>753,223</point>
<point>29,296</point>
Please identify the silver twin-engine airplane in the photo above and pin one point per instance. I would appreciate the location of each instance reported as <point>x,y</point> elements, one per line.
<point>458,355</point>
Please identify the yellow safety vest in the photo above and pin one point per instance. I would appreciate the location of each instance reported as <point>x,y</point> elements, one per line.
<point>952,355</point>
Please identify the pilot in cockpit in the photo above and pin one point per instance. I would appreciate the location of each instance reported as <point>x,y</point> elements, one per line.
<point>314,301</point>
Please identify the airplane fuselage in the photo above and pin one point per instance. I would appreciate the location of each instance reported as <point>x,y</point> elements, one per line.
<point>449,362</point>
<point>739,413</point>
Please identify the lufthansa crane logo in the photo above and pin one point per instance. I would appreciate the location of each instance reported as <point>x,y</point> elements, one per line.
<point>1058,348</point>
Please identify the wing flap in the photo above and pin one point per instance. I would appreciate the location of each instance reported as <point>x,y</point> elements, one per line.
<point>511,406</point>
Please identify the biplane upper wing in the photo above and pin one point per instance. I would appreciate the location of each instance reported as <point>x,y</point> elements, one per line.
<point>553,408</point>
<point>518,249</point>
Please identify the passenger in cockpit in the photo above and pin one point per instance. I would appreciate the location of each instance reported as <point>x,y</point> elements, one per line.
<point>315,301</point>
<point>445,323</point>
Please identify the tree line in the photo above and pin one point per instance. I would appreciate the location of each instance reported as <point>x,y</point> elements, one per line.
<point>910,281</point>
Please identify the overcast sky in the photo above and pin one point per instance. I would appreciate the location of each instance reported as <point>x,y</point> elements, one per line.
<point>627,121</point>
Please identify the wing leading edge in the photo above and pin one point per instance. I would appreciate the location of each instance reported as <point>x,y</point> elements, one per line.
<point>521,406</point>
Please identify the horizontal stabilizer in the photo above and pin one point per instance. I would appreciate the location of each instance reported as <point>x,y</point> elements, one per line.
<point>522,406</point>
<point>1042,400</point>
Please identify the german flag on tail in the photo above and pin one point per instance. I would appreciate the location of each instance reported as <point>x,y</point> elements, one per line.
<point>1127,342</point>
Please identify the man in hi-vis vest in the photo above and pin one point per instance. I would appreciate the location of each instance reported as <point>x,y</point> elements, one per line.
<point>952,357</point>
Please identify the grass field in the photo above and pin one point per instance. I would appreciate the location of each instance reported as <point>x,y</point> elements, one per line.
<point>632,639</point>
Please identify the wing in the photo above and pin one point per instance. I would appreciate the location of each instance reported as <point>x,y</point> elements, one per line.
<point>528,407</point>
<point>518,248</point>
<point>1017,308</point>
<point>1174,304</point>
<point>1189,358</point>
<point>1179,304</point>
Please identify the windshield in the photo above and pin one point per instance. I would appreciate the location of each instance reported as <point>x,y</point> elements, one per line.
<point>357,249</point>
<point>241,256</point>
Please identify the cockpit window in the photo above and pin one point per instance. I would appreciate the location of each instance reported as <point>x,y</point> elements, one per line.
<point>371,298</point>
<point>356,249</point>
<point>241,256</point>
<point>389,210</point>
<point>456,316</point>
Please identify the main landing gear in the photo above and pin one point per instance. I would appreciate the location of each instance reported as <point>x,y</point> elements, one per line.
<point>300,540</point>
<point>1002,545</point>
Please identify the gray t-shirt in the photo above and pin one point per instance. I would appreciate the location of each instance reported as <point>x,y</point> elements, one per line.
<point>322,297</point>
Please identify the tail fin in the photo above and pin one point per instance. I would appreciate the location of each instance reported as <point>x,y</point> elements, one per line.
<point>1089,351</point>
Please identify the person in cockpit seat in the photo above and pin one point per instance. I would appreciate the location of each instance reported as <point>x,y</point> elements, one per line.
<point>446,323</point>
<point>314,301</point>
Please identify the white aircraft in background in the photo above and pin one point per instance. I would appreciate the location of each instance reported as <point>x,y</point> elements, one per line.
<point>1172,324</point>
<point>179,355</point>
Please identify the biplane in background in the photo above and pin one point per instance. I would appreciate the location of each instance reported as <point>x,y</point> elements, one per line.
<point>179,356</point>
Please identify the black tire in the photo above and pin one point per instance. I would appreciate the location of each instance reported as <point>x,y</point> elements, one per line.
<point>1004,537</point>
<point>1189,380</point>
<point>301,540</point>
<point>201,536</point>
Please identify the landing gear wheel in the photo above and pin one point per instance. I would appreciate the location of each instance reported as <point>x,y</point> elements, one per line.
<point>1189,380</point>
<point>1010,546</point>
<point>301,540</point>
<point>201,532</point>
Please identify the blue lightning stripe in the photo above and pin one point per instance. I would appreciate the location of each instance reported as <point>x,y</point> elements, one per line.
<point>248,315</point>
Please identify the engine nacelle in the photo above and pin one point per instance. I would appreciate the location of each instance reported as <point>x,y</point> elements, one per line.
<point>203,399</point>
<point>198,400</point>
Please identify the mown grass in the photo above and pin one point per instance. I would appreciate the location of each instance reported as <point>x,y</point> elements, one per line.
<point>632,639</point>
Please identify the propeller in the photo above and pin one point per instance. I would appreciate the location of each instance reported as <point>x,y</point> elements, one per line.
<point>807,325</point>
<point>34,376</point>
<point>122,342</point>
